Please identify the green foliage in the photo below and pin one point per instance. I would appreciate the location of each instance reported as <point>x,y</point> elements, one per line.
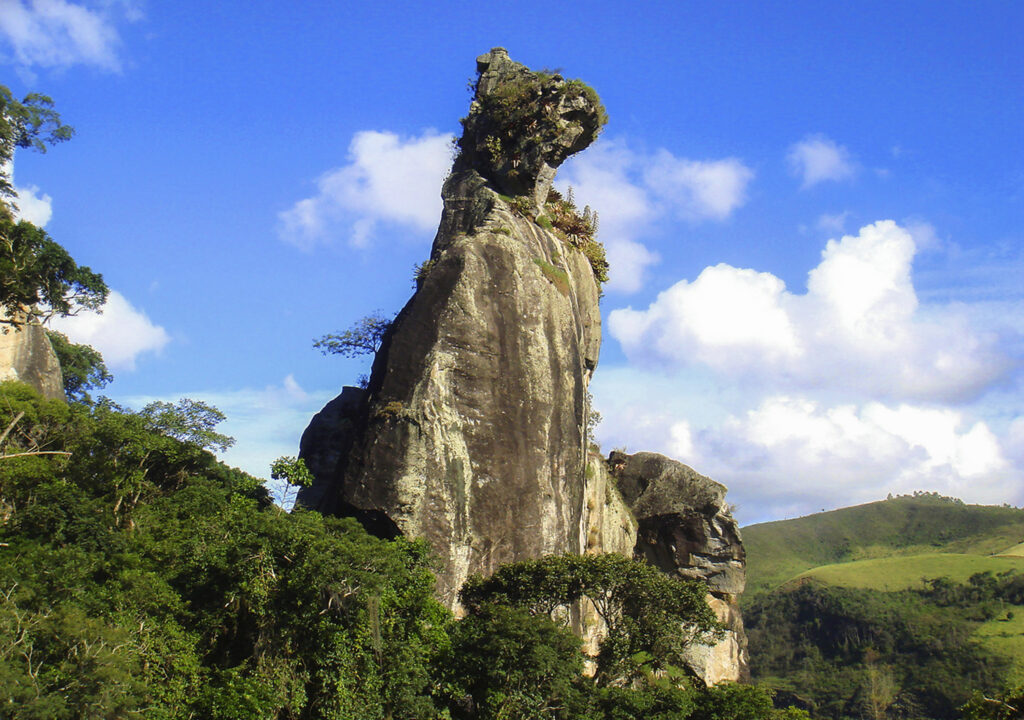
<point>558,277</point>
<point>577,230</point>
<point>858,652</point>
<point>190,422</point>
<point>651,617</point>
<point>38,278</point>
<point>527,107</point>
<point>505,663</point>
<point>81,366</point>
<point>1007,705</point>
<point>31,123</point>
<point>202,600</point>
<point>363,338</point>
<point>420,272</point>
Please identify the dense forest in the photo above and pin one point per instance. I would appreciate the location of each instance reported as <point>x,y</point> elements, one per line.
<point>140,577</point>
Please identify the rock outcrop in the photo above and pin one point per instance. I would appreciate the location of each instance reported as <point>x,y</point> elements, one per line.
<point>472,431</point>
<point>686,529</point>
<point>26,355</point>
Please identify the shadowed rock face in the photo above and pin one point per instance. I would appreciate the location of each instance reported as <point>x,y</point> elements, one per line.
<point>685,528</point>
<point>26,355</point>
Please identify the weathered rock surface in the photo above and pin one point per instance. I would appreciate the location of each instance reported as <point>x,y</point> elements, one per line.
<point>685,528</point>
<point>472,431</point>
<point>26,355</point>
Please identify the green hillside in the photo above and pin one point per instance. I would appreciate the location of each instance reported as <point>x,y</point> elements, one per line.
<point>905,526</point>
<point>904,572</point>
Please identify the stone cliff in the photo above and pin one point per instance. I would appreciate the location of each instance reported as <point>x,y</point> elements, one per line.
<point>472,431</point>
<point>26,355</point>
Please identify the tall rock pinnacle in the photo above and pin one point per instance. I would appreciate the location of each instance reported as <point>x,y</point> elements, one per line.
<point>472,432</point>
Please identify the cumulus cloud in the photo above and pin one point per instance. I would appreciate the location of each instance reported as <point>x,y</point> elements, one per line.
<point>34,206</point>
<point>793,455</point>
<point>857,329</point>
<point>57,33</point>
<point>633,190</point>
<point>121,332</point>
<point>817,159</point>
<point>699,189</point>
<point>387,179</point>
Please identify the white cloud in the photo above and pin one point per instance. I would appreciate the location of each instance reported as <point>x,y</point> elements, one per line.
<point>57,33</point>
<point>388,179</point>
<point>121,332</point>
<point>858,329</point>
<point>787,455</point>
<point>34,207</point>
<point>833,223</point>
<point>817,159</point>
<point>632,191</point>
<point>699,189</point>
<point>796,454</point>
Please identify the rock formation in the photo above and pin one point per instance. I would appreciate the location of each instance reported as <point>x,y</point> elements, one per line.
<point>26,355</point>
<point>472,431</point>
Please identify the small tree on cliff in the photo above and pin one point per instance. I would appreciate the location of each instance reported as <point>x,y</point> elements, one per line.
<point>363,338</point>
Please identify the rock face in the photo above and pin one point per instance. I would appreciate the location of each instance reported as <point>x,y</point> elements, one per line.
<point>685,528</point>
<point>472,432</point>
<point>26,355</point>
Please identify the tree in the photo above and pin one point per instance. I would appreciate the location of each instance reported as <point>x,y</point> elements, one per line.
<point>38,278</point>
<point>363,338</point>
<point>506,663</point>
<point>81,366</point>
<point>31,123</point>
<point>651,617</point>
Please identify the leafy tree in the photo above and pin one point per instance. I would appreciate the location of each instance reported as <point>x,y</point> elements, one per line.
<point>208,603</point>
<point>38,278</point>
<point>506,663</point>
<point>82,367</point>
<point>651,617</point>
<point>363,338</point>
<point>1007,705</point>
<point>31,123</point>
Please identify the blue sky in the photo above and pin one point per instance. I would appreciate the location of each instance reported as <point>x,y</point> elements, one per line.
<point>813,212</point>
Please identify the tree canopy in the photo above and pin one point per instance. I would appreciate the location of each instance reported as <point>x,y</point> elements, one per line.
<point>38,278</point>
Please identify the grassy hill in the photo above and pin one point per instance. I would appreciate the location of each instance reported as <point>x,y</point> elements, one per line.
<point>903,572</point>
<point>925,524</point>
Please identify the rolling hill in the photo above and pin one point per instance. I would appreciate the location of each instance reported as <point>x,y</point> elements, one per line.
<point>924,525</point>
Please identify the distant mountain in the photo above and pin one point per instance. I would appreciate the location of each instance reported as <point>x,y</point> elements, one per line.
<point>910,525</point>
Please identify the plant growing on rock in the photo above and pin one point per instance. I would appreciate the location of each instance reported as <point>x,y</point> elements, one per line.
<point>363,338</point>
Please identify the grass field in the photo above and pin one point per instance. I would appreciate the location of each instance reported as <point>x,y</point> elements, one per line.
<point>1006,637</point>
<point>1016,551</point>
<point>903,572</point>
<point>903,526</point>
